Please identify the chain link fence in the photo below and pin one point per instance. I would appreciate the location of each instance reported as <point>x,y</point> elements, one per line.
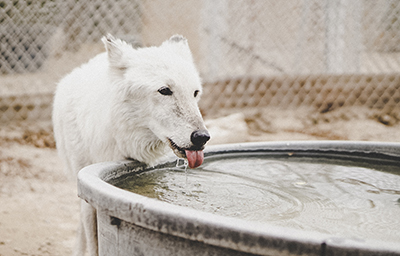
<point>320,54</point>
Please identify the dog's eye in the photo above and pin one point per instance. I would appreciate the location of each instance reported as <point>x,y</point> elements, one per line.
<point>196,93</point>
<point>165,91</point>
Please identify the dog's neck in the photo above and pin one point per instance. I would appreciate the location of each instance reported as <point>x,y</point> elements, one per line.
<point>141,145</point>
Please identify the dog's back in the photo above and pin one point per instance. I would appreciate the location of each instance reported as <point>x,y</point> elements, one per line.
<point>77,111</point>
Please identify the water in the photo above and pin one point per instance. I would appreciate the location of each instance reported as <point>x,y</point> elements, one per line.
<point>342,198</point>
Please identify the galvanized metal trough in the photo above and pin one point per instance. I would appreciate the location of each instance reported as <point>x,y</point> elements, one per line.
<point>131,224</point>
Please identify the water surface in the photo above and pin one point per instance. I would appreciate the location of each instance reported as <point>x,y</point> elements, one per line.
<point>349,198</point>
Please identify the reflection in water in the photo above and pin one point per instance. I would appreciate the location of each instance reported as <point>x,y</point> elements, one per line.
<point>338,198</point>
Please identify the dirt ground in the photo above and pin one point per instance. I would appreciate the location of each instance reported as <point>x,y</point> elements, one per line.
<point>39,207</point>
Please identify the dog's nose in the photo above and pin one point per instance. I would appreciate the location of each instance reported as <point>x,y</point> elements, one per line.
<point>200,137</point>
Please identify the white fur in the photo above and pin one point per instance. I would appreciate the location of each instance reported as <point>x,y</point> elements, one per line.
<point>110,109</point>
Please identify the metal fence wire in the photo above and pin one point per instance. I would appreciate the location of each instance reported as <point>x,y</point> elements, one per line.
<point>321,54</point>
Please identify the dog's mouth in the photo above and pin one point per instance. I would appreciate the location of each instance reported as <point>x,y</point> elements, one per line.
<point>195,156</point>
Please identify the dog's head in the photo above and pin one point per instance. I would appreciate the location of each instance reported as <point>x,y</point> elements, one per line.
<point>160,88</point>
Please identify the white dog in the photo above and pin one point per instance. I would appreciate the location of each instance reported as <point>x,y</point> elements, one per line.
<point>128,103</point>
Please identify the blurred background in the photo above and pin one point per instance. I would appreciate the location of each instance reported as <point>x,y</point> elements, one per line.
<point>317,55</point>
<point>272,70</point>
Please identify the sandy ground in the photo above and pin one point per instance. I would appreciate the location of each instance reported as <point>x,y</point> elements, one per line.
<point>39,207</point>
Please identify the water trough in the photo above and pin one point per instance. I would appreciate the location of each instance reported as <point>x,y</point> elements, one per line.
<point>134,224</point>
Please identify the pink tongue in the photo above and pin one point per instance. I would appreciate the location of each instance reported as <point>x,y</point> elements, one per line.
<point>195,158</point>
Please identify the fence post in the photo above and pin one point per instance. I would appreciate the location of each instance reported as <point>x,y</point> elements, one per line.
<point>215,25</point>
<point>343,36</point>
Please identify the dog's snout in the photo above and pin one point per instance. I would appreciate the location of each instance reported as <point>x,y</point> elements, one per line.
<point>200,137</point>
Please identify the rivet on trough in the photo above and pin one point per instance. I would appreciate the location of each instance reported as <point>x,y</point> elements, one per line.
<point>115,221</point>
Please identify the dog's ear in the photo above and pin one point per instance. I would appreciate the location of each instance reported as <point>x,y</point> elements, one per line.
<point>115,50</point>
<point>180,46</point>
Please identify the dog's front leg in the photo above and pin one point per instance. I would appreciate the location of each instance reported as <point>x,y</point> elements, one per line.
<point>88,236</point>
